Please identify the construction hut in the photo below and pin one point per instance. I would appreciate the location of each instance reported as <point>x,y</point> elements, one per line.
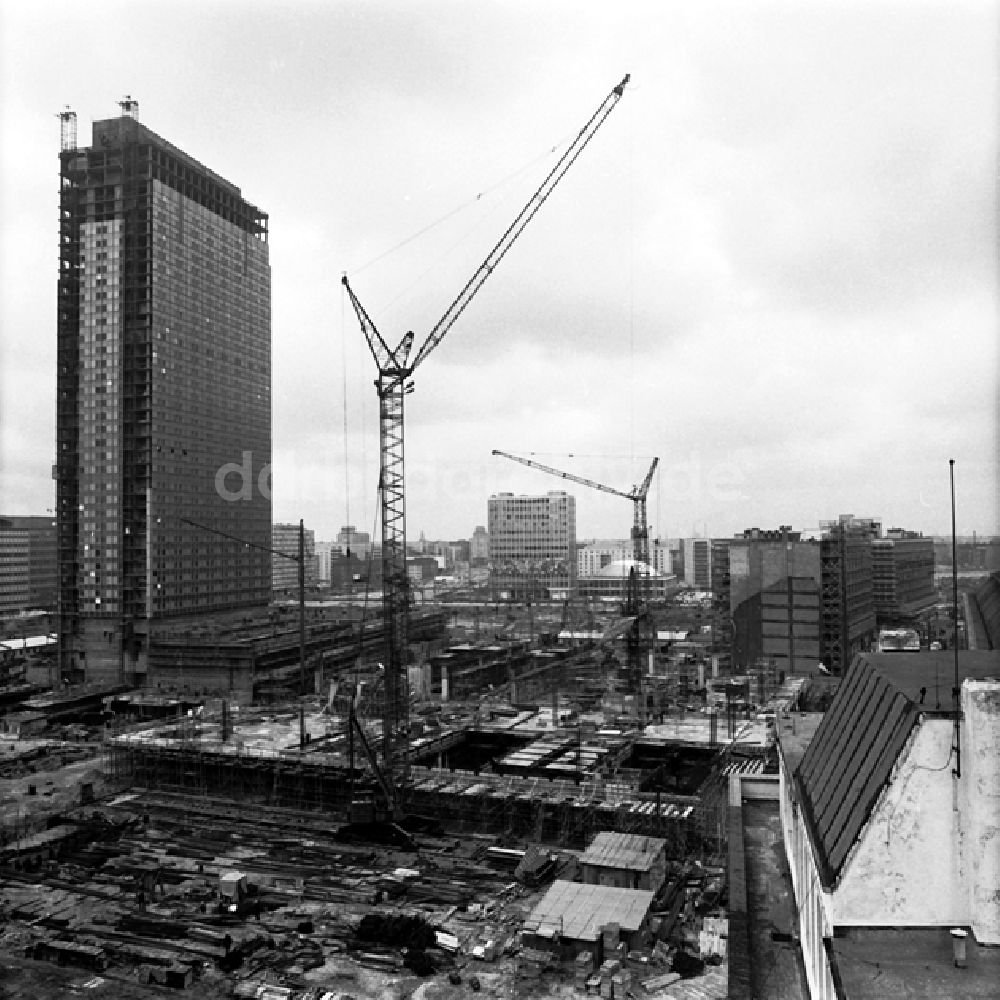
<point>572,918</point>
<point>625,860</point>
<point>23,725</point>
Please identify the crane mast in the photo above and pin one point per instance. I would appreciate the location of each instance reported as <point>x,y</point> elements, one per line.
<point>639,640</point>
<point>392,385</point>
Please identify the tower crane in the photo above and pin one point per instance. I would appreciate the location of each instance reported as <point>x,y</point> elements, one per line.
<point>640,634</point>
<point>394,383</point>
<point>640,526</point>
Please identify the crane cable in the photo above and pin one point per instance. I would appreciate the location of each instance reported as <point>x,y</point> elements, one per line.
<point>479,196</point>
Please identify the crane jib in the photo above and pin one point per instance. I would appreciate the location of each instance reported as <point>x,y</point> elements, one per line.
<point>391,765</point>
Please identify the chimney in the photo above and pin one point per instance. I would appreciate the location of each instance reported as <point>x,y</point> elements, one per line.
<point>958,937</point>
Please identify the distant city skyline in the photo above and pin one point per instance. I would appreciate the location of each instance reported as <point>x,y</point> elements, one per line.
<point>774,268</point>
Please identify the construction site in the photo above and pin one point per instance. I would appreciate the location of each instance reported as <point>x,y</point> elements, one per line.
<point>333,802</point>
<point>229,848</point>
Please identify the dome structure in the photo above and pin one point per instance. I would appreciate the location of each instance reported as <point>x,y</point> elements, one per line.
<point>620,568</point>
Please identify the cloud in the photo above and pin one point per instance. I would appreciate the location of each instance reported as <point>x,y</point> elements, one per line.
<point>773,267</point>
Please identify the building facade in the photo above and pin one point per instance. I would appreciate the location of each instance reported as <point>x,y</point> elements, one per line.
<point>285,568</point>
<point>163,422</point>
<point>532,546</point>
<point>698,562</point>
<point>324,552</point>
<point>594,555</point>
<point>903,572</point>
<point>661,555</point>
<point>722,620</point>
<point>479,546</point>
<point>28,566</point>
<point>774,584</point>
<point>350,541</point>
<point>848,606</point>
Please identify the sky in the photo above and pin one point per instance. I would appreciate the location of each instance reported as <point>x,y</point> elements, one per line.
<point>774,268</point>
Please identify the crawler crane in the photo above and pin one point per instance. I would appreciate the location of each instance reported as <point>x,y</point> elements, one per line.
<point>394,383</point>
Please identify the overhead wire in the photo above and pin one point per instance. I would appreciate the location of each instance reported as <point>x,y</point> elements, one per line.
<point>420,277</point>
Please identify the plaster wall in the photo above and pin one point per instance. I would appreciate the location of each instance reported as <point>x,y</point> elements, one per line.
<point>980,802</point>
<point>907,867</point>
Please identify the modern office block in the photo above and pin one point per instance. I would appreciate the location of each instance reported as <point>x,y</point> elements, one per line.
<point>532,546</point>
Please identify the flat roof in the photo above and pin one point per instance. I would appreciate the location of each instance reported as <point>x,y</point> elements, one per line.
<point>580,911</point>
<point>794,733</point>
<point>631,851</point>
<point>28,642</point>
<point>934,669</point>
<point>916,963</point>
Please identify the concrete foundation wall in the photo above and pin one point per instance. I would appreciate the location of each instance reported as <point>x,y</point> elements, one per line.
<point>184,676</point>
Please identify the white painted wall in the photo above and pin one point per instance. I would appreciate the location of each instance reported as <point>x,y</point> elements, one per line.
<point>930,853</point>
<point>980,802</point>
<point>906,868</point>
<point>812,903</point>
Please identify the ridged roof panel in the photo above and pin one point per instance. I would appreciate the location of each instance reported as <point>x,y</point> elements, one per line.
<point>850,759</point>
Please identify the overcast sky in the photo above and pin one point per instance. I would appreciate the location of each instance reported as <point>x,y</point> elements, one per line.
<point>774,267</point>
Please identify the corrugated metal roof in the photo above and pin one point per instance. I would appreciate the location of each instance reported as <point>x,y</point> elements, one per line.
<point>629,851</point>
<point>579,911</point>
<point>849,761</point>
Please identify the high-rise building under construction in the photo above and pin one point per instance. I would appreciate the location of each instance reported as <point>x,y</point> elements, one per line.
<point>163,425</point>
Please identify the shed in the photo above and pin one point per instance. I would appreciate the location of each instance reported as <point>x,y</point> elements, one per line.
<point>21,725</point>
<point>571,918</point>
<point>625,860</point>
<point>233,885</point>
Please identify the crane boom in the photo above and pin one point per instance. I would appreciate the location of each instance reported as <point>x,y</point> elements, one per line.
<point>636,493</point>
<point>515,229</point>
<point>392,385</point>
<point>563,475</point>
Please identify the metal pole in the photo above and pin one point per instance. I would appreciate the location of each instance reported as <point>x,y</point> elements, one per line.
<point>302,633</point>
<point>954,566</point>
<point>54,682</point>
<point>956,690</point>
